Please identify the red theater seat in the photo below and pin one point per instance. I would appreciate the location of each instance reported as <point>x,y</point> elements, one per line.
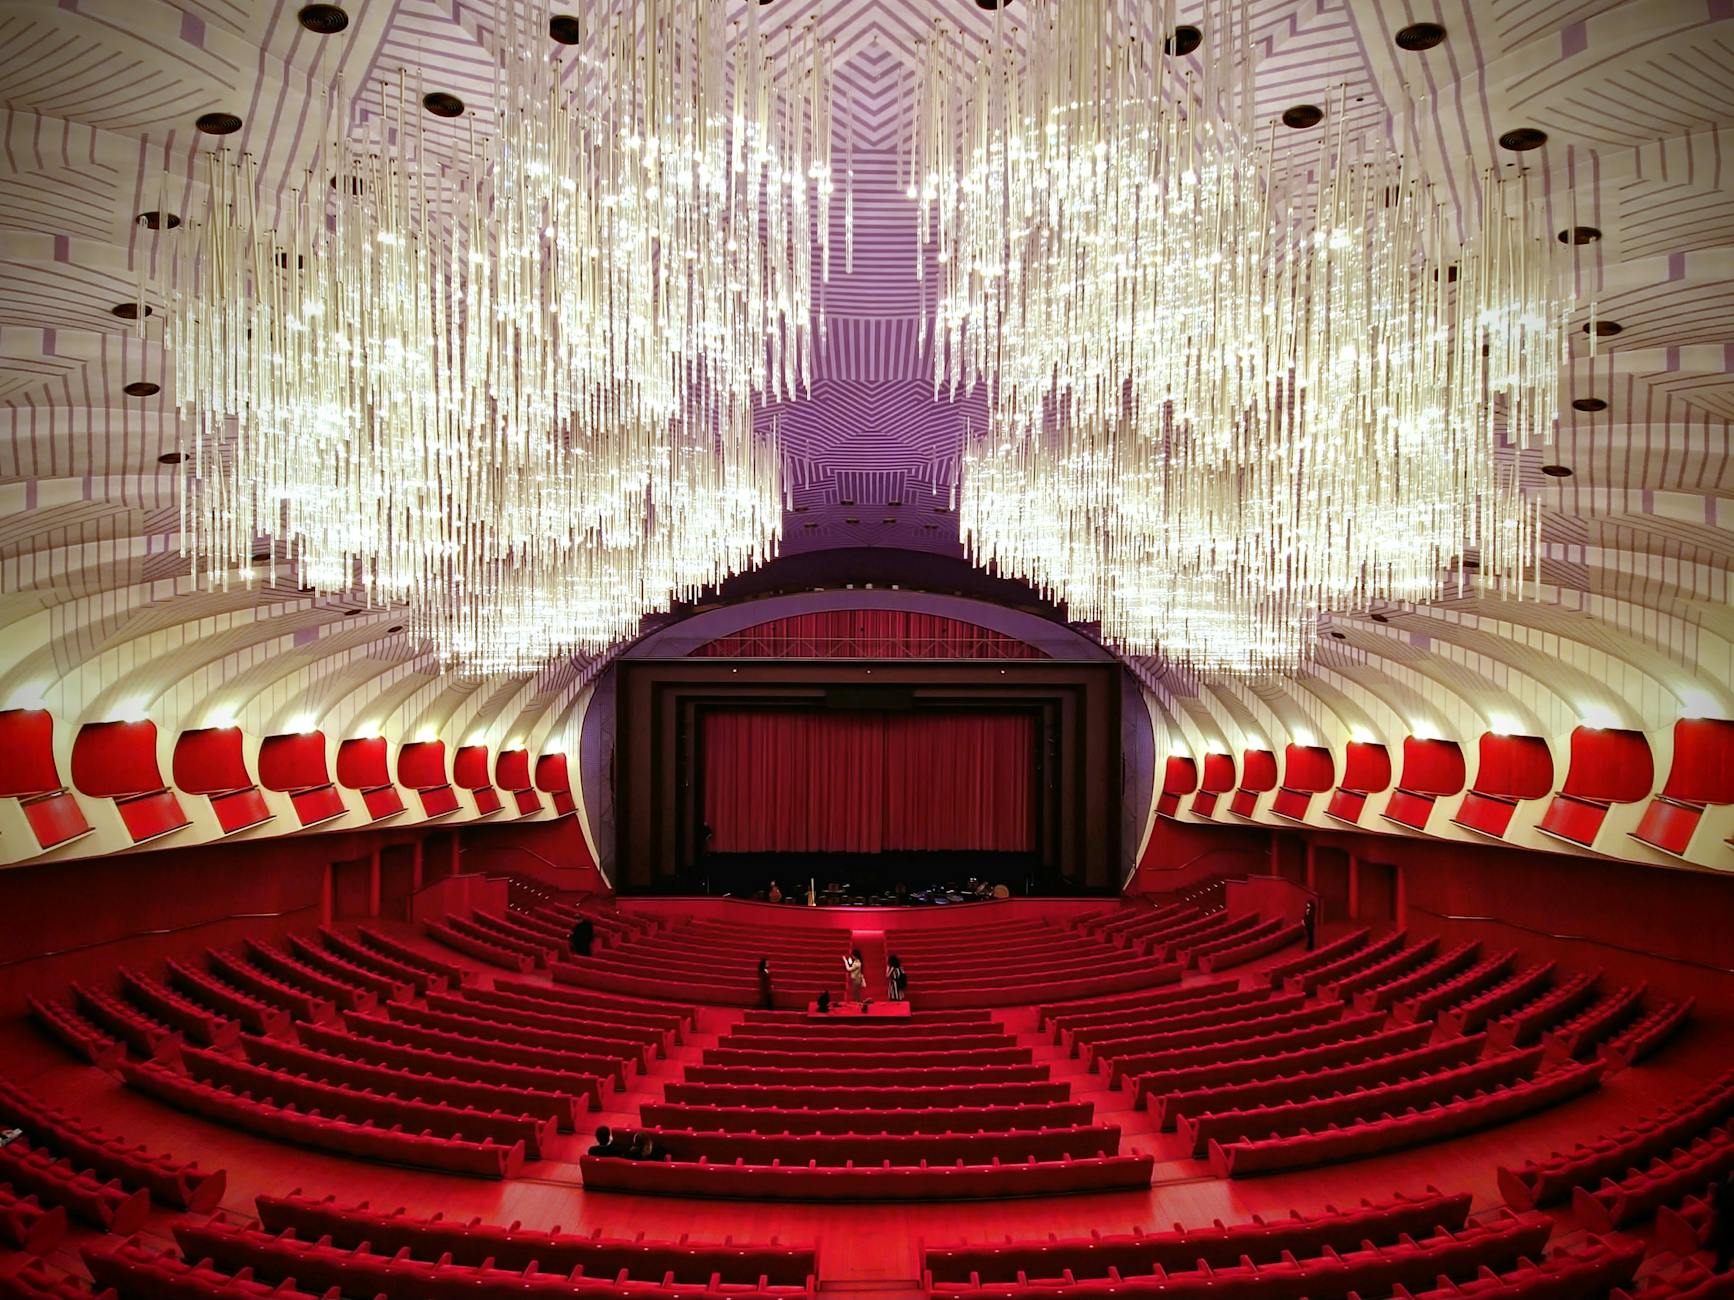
<point>86,1040</point>
<point>1666,1180</point>
<point>296,765</point>
<point>1700,777</point>
<point>209,762</point>
<point>26,1225</point>
<point>1328,965</point>
<point>118,761</point>
<point>33,778</point>
<point>86,1196</point>
<point>1608,766</point>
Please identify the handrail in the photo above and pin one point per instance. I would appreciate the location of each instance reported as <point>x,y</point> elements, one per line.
<point>1575,938</point>
<point>145,934</point>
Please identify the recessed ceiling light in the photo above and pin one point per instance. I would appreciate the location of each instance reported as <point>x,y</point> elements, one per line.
<point>170,458</point>
<point>1522,139</point>
<point>1588,404</point>
<point>218,123</point>
<point>128,310</point>
<point>1579,235</point>
<point>141,388</point>
<point>351,613</point>
<point>1184,41</point>
<point>154,220</point>
<point>989,5</point>
<point>323,20</point>
<point>1301,116</point>
<point>1340,636</point>
<point>1604,328</point>
<point>1379,618</point>
<point>440,104</point>
<point>564,29</point>
<point>941,510</point>
<point>1556,471</point>
<point>261,557</point>
<point>395,627</point>
<point>1420,36</point>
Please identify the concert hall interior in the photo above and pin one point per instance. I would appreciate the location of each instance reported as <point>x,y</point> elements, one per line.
<point>866,649</point>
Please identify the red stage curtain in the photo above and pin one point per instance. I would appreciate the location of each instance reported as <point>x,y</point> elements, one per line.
<point>793,781</point>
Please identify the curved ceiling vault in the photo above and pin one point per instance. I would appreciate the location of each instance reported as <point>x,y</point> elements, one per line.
<point>1629,626</point>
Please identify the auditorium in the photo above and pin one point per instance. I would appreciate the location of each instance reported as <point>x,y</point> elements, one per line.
<point>867,650</point>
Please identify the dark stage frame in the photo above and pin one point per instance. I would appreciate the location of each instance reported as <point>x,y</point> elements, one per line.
<point>658,792</point>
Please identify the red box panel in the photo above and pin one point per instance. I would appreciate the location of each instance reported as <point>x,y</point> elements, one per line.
<point>1486,814</point>
<point>1574,819</point>
<point>1292,804</point>
<point>1409,809</point>
<point>149,815</point>
<point>382,801</point>
<point>55,819</point>
<point>1668,825</point>
<point>239,809</point>
<point>439,800</point>
<point>1347,806</point>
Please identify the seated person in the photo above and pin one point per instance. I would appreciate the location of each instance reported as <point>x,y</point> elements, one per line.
<point>608,1144</point>
<point>643,1148</point>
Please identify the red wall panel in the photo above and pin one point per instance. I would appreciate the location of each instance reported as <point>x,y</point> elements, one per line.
<point>1703,766</point>
<point>1514,767</point>
<point>1180,776</point>
<point>27,740</point>
<point>1218,774</point>
<point>1432,767</point>
<point>112,760</point>
<point>1308,768</point>
<point>1609,765</point>
<point>1366,767</point>
<point>361,763</point>
<point>470,767</point>
<point>293,762</point>
<point>1258,772</point>
<point>421,765</point>
<point>512,770</point>
<point>209,761</point>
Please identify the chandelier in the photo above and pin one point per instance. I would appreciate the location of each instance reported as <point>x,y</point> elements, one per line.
<point>509,379</point>
<point>1230,387</point>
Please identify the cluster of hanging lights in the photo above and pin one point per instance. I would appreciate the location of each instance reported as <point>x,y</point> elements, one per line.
<point>1231,387</point>
<point>509,379</point>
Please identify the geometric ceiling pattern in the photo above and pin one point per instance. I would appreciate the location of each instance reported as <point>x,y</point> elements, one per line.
<point>1632,617</point>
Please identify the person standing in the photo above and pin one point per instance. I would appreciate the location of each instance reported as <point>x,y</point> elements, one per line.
<point>896,982</point>
<point>776,894</point>
<point>583,935</point>
<point>1310,920</point>
<point>856,977</point>
<point>766,997</point>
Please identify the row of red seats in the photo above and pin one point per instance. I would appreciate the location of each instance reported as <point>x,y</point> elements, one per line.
<point>513,1246</point>
<point>957,1016</point>
<point>873,1076</point>
<point>1121,1056</point>
<point>454,975</point>
<point>197,1024</point>
<point>361,975</point>
<point>899,1118</point>
<point>1668,1180</point>
<point>878,1148</point>
<point>752,1094</point>
<point>1451,1118</point>
<point>420,977</point>
<point>1368,1042</point>
<point>1067,1018</point>
<point>84,1039</point>
<point>596,1024</point>
<point>365,1106</point>
<point>812,1182</point>
<point>1232,1048</point>
<point>1277,973</point>
<point>31,1279</point>
<point>1361,957</point>
<point>1604,1017</point>
<point>562,1108</point>
<point>475,1022</point>
<point>501,953</point>
<point>891,1057</point>
<point>1693,1282</point>
<point>454,1065</point>
<point>1393,966</point>
<point>1280,936</point>
<point>627,1009</point>
<point>1364,1268</point>
<point>180,1184</point>
<point>1219,1245</point>
<point>1685,1228</point>
<point>1419,983</point>
<point>1431,1003</point>
<point>1168,1108</point>
<point>1646,1035</point>
<point>252,1014</point>
<point>301,1003</point>
<point>142,1034</point>
<point>1528,1022</point>
<point>491,1048</point>
<point>1218,927</point>
<point>1587,1272</point>
<point>1216,1009</point>
<point>1476,1013</point>
<point>1355,1105</point>
<point>838,1028</point>
<point>85,1196</point>
<point>28,1225</point>
<point>1542,1182</point>
<point>482,1158</point>
<point>340,992</point>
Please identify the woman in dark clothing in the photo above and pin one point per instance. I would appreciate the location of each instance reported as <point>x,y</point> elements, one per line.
<point>1310,920</point>
<point>896,982</point>
<point>766,999</point>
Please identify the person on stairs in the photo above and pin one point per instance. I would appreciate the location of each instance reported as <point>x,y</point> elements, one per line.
<point>583,935</point>
<point>856,975</point>
<point>767,999</point>
<point>896,982</point>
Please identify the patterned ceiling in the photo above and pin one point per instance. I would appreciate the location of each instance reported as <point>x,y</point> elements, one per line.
<point>1637,99</point>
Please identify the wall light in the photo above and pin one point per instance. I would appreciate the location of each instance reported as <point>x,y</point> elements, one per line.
<point>1598,717</point>
<point>427,734</point>
<point>1500,725</point>
<point>1424,731</point>
<point>31,696</point>
<point>1361,736</point>
<point>1179,750</point>
<point>304,725</point>
<point>516,742</point>
<point>1695,703</point>
<point>1304,738</point>
<point>221,720</point>
<point>133,711</point>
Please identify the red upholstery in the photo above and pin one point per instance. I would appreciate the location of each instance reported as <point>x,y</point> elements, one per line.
<point>1475,1013</point>
<point>33,778</point>
<point>1449,1119</point>
<point>1545,1181</point>
<point>296,764</point>
<point>1427,1003</point>
<point>930,1119</point>
<point>1420,982</point>
<point>552,779</point>
<point>1585,1273</point>
<point>198,1024</point>
<point>502,1030</point>
<point>354,951</point>
<point>813,1183</point>
<point>1666,1180</point>
<point>1600,1019</point>
<point>482,1158</point>
<point>30,1171</point>
<point>118,761</point>
<point>514,1247</point>
<point>268,989</point>
<point>144,1034</point>
<point>85,1040</point>
<point>172,1182</point>
<point>341,970</point>
<point>1216,1246</point>
<point>500,952</point>
<point>339,992</point>
<point>1366,767</point>
<point>1526,1024</point>
<point>26,1225</point>
<point>1693,1282</point>
<point>1329,966</point>
<point>831,1150</point>
<point>1179,777</point>
<point>209,762</point>
<point>1645,1035</point>
<point>1391,963</point>
<point>453,1065</point>
<point>1034,1092</point>
<point>397,950</point>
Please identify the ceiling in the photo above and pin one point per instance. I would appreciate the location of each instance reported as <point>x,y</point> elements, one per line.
<point>1631,617</point>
